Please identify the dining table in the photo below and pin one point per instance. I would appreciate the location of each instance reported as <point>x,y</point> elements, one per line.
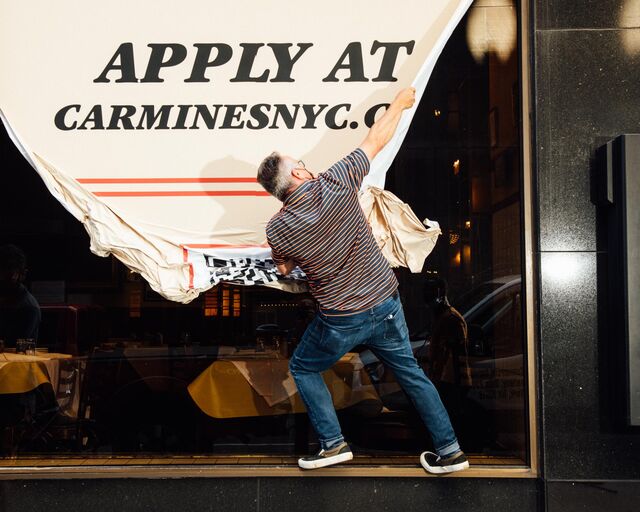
<point>252,383</point>
<point>21,373</point>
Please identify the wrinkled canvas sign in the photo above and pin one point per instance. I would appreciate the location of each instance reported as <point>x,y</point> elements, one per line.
<point>403,239</point>
<point>147,119</point>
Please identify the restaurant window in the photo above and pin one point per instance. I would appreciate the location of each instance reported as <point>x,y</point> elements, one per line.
<point>117,371</point>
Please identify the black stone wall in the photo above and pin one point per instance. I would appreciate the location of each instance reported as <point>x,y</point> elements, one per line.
<point>272,494</point>
<point>587,91</point>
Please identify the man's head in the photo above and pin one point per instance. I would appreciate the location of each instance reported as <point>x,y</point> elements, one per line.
<point>13,265</point>
<point>280,174</point>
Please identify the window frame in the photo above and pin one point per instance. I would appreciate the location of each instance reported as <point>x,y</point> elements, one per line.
<point>46,468</point>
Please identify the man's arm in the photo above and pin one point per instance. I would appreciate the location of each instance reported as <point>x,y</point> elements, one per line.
<point>286,267</point>
<point>384,128</point>
<point>284,264</point>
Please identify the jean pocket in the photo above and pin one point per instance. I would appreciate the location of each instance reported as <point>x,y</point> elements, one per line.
<point>339,334</point>
<point>315,346</point>
<point>395,327</point>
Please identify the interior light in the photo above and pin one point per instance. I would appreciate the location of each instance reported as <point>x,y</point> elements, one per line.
<point>211,302</point>
<point>466,254</point>
<point>456,167</point>
<point>237,302</point>
<point>456,259</point>
<point>226,302</point>
<point>492,29</point>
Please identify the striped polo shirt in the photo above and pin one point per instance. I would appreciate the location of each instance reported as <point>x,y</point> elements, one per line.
<point>321,227</point>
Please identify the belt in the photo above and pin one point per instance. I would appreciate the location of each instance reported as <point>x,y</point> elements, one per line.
<point>336,312</point>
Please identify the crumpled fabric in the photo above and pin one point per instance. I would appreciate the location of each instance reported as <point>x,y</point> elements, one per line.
<point>403,239</point>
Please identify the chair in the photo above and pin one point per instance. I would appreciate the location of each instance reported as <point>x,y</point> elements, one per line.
<point>65,426</point>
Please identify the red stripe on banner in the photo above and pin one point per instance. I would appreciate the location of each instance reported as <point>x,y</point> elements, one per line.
<point>183,193</point>
<point>164,180</point>
<point>185,257</point>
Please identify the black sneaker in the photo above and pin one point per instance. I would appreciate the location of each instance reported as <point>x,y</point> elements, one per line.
<point>324,458</point>
<point>436,464</point>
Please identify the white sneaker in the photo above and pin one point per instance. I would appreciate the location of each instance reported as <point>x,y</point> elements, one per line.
<point>323,458</point>
<point>433,463</point>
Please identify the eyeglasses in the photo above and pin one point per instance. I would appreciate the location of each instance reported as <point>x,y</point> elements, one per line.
<point>300,165</point>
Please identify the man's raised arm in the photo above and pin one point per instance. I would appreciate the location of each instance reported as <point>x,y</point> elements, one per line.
<point>384,128</point>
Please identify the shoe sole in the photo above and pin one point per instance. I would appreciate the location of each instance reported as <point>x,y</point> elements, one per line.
<point>440,470</point>
<point>322,463</point>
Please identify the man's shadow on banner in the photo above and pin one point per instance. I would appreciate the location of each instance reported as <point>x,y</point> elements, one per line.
<point>242,219</point>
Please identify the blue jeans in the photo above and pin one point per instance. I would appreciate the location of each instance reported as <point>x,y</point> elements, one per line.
<point>382,329</point>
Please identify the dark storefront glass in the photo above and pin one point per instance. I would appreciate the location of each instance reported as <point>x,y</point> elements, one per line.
<point>152,377</point>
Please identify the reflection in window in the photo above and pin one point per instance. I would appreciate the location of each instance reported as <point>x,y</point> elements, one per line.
<point>462,168</point>
<point>119,370</point>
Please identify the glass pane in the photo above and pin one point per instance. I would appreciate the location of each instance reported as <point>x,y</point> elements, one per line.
<point>120,371</point>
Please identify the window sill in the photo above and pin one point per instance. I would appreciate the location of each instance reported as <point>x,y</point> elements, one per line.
<point>220,467</point>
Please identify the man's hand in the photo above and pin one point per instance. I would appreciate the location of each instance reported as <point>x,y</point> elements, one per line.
<point>384,128</point>
<point>286,267</point>
<point>406,98</point>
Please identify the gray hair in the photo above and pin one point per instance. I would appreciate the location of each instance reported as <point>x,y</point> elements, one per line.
<point>274,177</point>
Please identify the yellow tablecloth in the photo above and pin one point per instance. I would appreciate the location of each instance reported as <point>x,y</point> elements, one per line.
<point>240,388</point>
<point>20,373</point>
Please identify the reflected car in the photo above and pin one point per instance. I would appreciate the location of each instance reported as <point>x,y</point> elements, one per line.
<point>494,406</point>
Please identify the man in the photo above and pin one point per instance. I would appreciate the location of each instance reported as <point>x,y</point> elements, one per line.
<point>448,349</point>
<point>322,229</point>
<point>19,310</point>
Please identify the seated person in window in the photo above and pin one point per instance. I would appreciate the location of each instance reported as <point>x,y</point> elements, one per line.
<point>19,310</point>
<point>448,347</point>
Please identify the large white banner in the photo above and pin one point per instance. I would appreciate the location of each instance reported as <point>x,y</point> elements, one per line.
<point>147,119</point>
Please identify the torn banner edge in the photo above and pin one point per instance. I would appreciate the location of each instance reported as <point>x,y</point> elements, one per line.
<point>139,257</point>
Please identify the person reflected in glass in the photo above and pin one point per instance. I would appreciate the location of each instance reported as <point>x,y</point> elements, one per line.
<point>448,350</point>
<point>322,229</point>
<point>19,310</point>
